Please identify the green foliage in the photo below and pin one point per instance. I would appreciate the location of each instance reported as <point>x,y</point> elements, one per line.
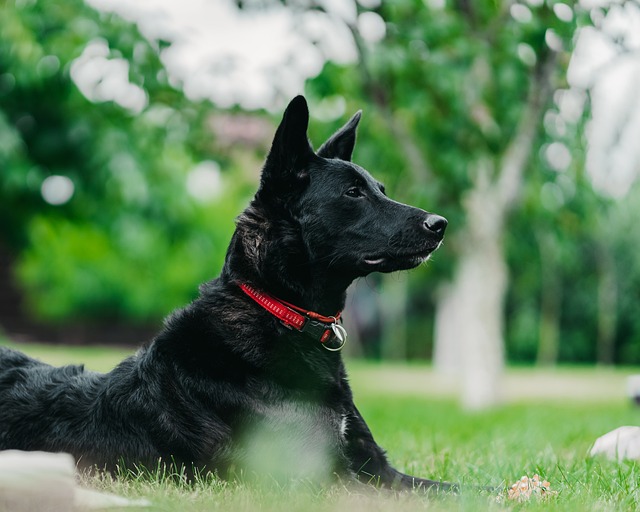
<point>443,91</point>
<point>98,271</point>
<point>131,242</point>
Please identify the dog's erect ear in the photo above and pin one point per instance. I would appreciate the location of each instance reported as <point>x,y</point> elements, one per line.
<point>340,144</point>
<point>290,150</point>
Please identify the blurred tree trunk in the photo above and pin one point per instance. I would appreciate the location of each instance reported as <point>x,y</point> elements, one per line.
<point>469,312</point>
<point>446,335</point>
<point>470,341</point>
<point>607,306</point>
<point>393,316</point>
<point>550,301</point>
<point>473,304</point>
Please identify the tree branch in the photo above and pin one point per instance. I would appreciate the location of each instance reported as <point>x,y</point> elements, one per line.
<point>516,157</point>
<point>419,167</point>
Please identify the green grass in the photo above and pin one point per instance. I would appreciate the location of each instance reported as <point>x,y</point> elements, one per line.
<point>546,426</point>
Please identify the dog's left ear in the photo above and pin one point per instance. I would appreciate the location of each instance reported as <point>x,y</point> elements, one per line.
<point>290,151</point>
<point>340,144</point>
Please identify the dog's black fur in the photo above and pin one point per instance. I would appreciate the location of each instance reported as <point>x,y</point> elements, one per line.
<point>225,386</point>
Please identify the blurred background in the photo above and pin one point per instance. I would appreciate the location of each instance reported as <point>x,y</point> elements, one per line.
<point>132,134</point>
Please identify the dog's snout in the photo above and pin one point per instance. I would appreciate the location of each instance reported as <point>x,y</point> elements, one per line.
<point>435,223</point>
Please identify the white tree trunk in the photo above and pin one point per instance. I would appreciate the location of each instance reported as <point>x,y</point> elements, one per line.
<point>469,326</point>
<point>447,335</point>
<point>480,287</point>
<point>469,313</point>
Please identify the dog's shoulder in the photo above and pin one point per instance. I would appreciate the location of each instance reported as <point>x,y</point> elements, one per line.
<point>215,335</point>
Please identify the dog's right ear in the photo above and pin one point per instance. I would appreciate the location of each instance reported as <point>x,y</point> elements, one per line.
<point>290,151</point>
<point>340,144</point>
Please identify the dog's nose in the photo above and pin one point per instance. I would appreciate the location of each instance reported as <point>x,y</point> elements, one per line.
<point>435,223</point>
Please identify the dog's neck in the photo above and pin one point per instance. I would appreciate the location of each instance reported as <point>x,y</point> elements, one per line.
<point>272,257</point>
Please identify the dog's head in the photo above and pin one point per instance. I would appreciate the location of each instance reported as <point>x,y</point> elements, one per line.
<point>346,221</point>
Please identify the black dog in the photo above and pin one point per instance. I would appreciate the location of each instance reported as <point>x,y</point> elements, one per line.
<point>240,381</point>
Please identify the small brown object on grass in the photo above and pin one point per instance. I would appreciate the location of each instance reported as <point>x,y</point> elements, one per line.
<point>526,488</point>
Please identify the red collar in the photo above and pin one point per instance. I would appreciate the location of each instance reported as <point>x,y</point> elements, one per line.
<point>325,329</point>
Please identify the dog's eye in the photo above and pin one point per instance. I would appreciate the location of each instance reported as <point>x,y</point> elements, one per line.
<point>354,192</point>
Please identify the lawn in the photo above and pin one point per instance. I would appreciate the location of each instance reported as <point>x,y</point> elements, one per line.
<point>548,422</point>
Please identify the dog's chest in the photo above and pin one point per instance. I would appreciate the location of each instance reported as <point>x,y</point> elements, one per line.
<point>343,426</point>
<point>294,439</point>
<point>312,423</point>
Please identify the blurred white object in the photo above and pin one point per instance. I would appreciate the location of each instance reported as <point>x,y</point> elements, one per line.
<point>39,482</point>
<point>86,499</point>
<point>621,443</point>
<point>36,481</point>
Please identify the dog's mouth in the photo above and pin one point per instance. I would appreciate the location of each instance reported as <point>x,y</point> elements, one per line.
<point>399,261</point>
<point>383,261</point>
<point>374,261</point>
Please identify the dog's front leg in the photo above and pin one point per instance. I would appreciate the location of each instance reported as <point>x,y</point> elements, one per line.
<point>369,462</point>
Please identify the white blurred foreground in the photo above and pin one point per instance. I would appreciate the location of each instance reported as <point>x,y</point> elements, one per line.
<point>39,482</point>
<point>621,444</point>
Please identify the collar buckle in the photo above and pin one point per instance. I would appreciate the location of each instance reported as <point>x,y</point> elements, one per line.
<point>332,336</point>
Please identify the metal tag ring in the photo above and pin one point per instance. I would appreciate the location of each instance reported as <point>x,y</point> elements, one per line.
<point>340,333</point>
